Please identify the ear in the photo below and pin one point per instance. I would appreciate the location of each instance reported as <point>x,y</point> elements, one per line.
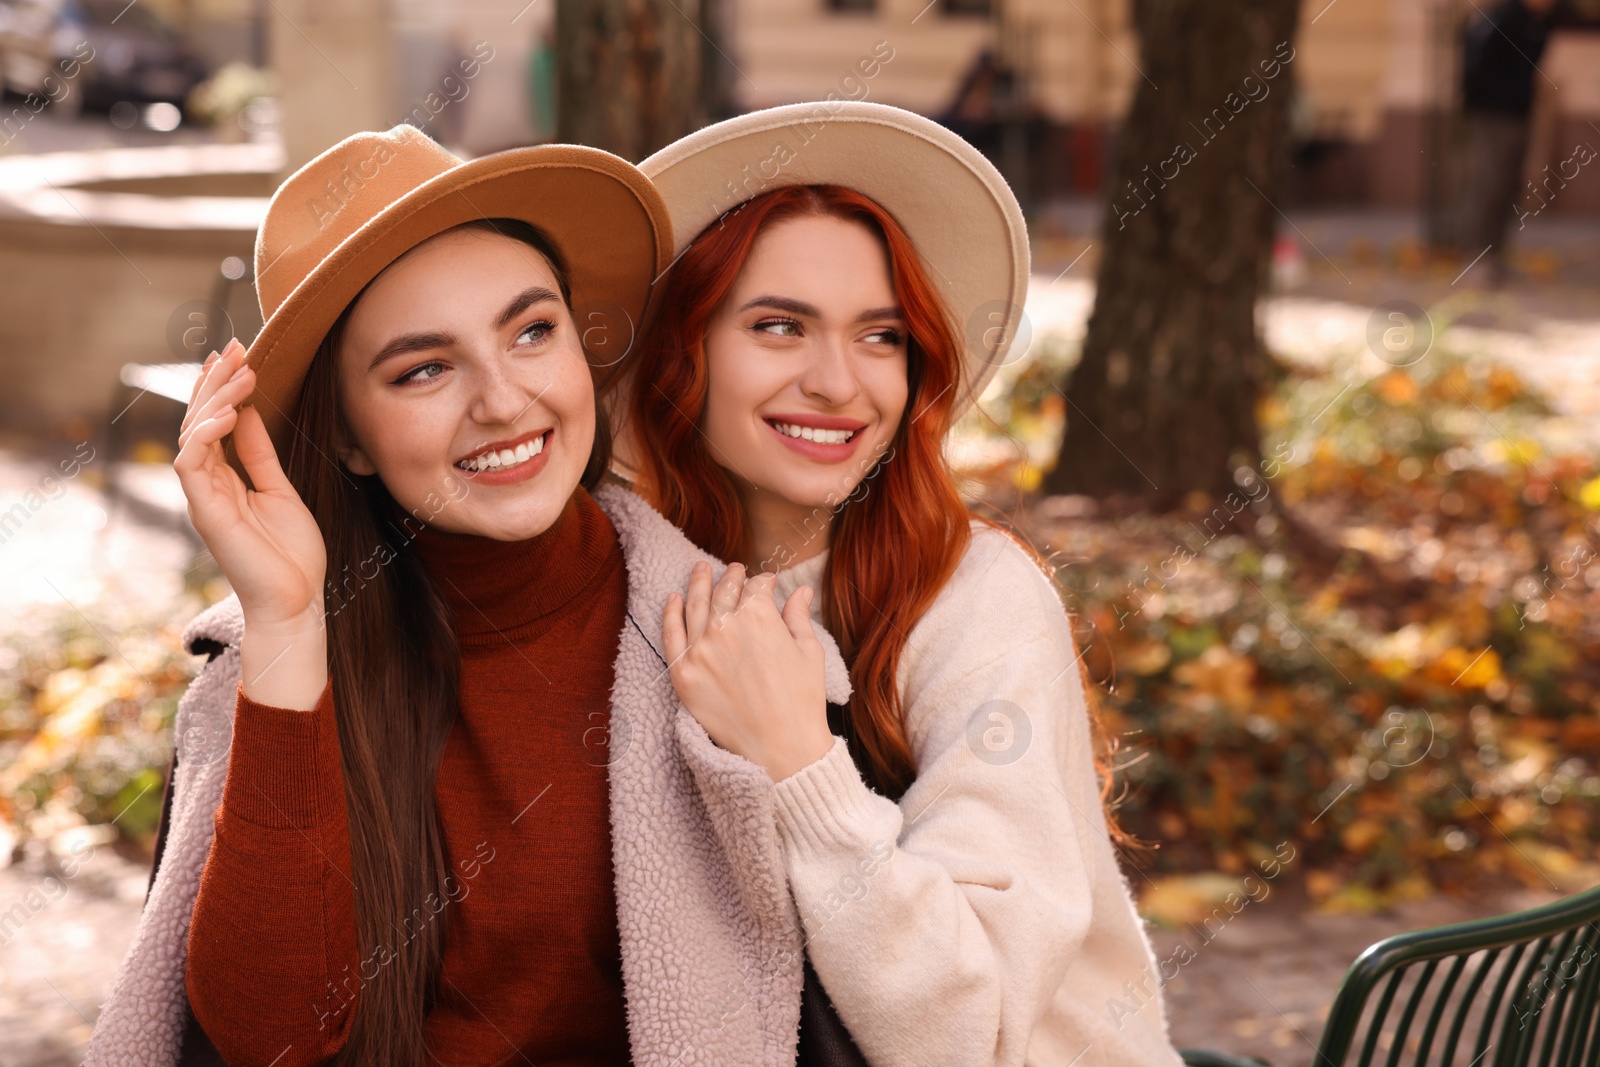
<point>355,461</point>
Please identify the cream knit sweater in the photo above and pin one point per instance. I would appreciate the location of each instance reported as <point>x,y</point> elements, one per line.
<point>983,919</point>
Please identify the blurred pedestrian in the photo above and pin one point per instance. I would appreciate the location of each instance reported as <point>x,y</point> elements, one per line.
<point>1500,58</point>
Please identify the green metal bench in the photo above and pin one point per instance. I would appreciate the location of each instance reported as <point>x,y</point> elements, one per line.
<point>1515,990</point>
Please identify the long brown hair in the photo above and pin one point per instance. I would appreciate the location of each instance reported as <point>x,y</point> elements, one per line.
<point>899,535</point>
<point>395,670</point>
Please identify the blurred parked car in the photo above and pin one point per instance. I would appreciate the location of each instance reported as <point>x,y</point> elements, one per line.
<point>101,51</point>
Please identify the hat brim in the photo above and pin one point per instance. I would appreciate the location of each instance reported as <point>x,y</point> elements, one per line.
<point>949,199</point>
<point>604,217</point>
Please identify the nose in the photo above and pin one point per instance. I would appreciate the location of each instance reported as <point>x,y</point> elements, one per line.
<point>829,375</point>
<point>501,398</point>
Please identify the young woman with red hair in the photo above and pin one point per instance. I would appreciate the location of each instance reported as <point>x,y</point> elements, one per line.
<point>943,833</point>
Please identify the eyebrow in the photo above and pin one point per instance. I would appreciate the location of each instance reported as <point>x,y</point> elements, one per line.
<point>423,342</point>
<point>534,294</point>
<point>800,307</point>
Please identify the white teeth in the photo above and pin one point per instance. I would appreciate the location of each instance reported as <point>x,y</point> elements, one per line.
<point>505,457</point>
<point>811,433</point>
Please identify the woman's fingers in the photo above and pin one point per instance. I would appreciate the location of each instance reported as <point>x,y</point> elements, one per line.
<point>194,466</point>
<point>674,637</point>
<point>725,598</point>
<point>220,372</point>
<point>254,447</point>
<point>227,395</point>
<point>761,585</point>
<point>204,436</point>
<point>201,377</point>
<point>797,615</point>
<point>697,605</point>
<point>215,374</point>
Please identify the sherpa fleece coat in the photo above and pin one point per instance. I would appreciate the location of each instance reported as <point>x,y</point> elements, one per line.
<point>711,941</point>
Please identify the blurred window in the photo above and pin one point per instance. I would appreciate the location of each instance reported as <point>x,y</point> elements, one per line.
<point>119,13</point>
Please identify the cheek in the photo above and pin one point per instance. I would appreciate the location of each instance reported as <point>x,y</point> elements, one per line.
<point>888,390</point>
<point>400,436</point>
<point>570,398</point>
<point>734,390</point>
<point>406,436</point>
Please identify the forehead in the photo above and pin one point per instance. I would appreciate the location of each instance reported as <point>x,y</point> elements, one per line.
<point>842,261</point>
<point>466,257</point>
<point>449,282</point>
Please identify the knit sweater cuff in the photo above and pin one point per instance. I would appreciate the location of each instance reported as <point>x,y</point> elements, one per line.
<point>826,807</point>
<point>276,761</point>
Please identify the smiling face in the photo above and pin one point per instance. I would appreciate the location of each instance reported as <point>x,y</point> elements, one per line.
<point>806,358</point>
<point>462,379</point>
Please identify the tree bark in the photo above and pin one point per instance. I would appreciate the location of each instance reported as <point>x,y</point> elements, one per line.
<point>1163,402</point>
<point>631,73</point>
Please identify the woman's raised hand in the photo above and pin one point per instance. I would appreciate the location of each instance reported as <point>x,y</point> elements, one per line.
<point>265,540</point>
<point>751,676</point>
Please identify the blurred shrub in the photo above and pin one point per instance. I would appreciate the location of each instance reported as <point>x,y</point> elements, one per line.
<point>1419,714</point>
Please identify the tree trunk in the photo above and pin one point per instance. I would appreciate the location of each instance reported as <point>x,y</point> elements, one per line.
<point>631,72</point>
<point>1163,402</point>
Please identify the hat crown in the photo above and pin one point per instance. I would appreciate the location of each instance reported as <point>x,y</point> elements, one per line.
<point>325,202</point>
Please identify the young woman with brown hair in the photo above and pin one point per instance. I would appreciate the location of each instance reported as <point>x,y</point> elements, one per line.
<point>434,800</point>
<point>943,831</point>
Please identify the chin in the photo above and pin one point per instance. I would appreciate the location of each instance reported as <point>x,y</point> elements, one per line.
<point>809,490</point>
<point>528,519</point>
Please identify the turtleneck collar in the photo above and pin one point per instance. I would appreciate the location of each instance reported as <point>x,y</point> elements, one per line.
<point>507,589</point>
<point>806,572</point>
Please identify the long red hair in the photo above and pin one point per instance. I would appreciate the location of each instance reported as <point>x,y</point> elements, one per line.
<point>871,597</point>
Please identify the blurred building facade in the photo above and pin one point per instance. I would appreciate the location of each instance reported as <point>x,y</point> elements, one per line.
<point>1039,84</point>
<point>1377,83</point>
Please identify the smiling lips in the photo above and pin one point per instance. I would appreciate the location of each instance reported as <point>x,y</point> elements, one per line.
<point>506,455</point>
<point>822,437</point>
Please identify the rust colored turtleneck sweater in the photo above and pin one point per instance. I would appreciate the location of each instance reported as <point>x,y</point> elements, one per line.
<point>532,965</point>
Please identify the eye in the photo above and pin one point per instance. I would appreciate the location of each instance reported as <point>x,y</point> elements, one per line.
<point>415,374</point>
<point>887,336</point>
<point>778,327</point>
<point>537,332</point>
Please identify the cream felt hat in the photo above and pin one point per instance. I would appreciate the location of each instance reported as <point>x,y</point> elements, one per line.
<point>949,199</point>
<point>336,223</point>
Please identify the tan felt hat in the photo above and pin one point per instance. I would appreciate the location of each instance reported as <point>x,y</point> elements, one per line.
<point>338,221</point>
<point>949,199</point>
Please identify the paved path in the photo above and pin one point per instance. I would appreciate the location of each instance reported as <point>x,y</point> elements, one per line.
<point>1263,984</point>
<point>63,930</point>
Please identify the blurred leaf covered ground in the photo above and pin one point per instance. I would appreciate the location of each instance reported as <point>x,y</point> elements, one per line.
<point>86,714</point>
<point>1384,649</point>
